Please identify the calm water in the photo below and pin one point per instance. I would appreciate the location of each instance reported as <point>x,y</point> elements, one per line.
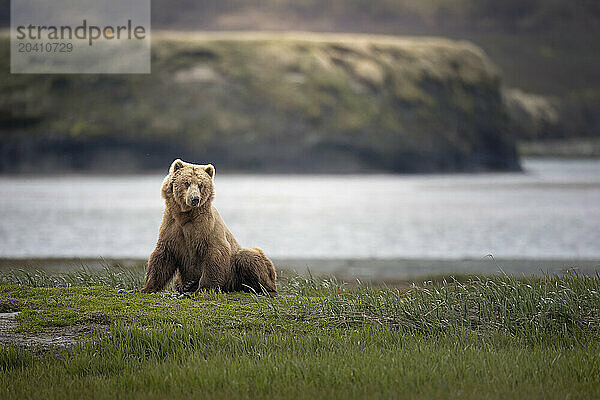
<point>551,211</point>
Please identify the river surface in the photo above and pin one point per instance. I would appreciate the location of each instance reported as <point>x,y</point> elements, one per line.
<point>550,211</point>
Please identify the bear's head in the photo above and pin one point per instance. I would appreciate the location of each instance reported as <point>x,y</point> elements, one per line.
<point>189,186</point>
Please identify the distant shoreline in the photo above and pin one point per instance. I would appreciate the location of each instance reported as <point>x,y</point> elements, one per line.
<point>378,270</point>
<point>577,148</point>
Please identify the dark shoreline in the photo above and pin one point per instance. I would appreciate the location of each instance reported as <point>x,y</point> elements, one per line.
<point>376,270</point>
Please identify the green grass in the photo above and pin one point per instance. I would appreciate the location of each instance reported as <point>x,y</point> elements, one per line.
<point>493,337</point>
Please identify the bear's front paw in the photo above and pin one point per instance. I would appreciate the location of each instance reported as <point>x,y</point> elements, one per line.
<point>189,287</point>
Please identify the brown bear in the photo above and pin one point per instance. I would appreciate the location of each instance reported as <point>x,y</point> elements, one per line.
<point>195,245</point>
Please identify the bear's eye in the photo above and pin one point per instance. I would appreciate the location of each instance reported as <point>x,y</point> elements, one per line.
<point>187,185</point>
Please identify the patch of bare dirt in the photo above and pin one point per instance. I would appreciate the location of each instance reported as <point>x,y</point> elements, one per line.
<point>55,336</point>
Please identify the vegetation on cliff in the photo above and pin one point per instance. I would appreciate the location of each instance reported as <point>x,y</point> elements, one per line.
<point>267,102</point>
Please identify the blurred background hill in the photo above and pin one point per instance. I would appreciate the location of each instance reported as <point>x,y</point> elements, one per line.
<point>280,104</point>
<point>259,102</point>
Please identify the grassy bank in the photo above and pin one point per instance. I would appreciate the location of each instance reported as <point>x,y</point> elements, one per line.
<point>496,337</point>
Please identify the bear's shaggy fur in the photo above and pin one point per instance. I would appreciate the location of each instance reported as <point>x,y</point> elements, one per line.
<point>195,245</point>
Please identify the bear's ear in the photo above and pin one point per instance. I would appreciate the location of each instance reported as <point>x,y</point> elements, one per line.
<point>177,164</point>
<point>210,170</point>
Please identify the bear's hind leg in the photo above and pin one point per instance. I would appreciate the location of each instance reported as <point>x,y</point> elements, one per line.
<point>254,272</point>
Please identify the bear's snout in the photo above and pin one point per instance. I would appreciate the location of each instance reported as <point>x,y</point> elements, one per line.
<point>192,197</point>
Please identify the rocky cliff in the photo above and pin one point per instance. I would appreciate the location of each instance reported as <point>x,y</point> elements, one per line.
<point>266,102</point>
